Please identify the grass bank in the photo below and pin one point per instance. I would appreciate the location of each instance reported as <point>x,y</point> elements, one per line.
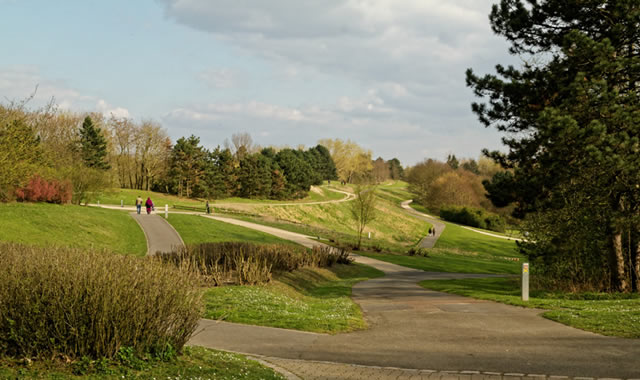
<point>393,229</point>
<point>196,229</point>
<point>128,196</point>
<point>194,363</point>
<point>44,224</point>
<point>309,299</point>
<point>463,251</point>
<point>607,314</point>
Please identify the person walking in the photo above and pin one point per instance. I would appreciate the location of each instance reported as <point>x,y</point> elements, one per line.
<point>149,205</point>
<point>138,204</point>
<point>208,208</point>
<point>433,231</point>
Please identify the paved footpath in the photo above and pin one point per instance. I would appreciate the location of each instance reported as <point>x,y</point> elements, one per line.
<point>429,241</point>
<point>161,236</point>
<point>415,333</point>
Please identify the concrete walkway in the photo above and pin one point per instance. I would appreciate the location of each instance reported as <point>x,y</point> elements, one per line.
<point>161,236</point>
<point>430,240</point>
<point>418,333</point>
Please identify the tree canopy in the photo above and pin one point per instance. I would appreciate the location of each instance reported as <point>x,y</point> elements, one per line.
<point>570,117</point>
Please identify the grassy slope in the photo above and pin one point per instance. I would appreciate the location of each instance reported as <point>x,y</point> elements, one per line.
<point>196,229</point>
<point>608,314</point>
<point>457,249</point>
<point>114,196</point>
<point>392,228</point>
<point>195,363</point>
<point>309,299</point>
<point>86,227</point>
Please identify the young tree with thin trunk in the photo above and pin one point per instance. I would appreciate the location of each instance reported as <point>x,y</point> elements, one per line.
<point>363,209</point>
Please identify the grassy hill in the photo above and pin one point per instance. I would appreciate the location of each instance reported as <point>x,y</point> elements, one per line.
<point>69,225</point>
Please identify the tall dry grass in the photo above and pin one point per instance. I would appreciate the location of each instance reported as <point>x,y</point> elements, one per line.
<point>71,303</point>
<point>246,263</point>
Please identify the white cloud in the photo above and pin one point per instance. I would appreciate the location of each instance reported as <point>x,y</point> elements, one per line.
<point>407,57</point>
<point>108,110</point>
<point>19,82</point>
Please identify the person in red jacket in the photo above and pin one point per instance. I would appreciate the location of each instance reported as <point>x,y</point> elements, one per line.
<point>149,205</point>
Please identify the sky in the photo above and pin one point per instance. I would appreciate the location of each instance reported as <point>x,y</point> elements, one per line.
<point>387,74</point>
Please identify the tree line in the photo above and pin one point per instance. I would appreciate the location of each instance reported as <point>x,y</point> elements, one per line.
<point>570,117</point>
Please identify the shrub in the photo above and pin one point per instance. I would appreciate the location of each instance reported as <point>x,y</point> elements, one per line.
<point>246,263</point>
<point>418,252</point>
<point>473,217</point>
<point>41,190</point>
<point>72,303</point>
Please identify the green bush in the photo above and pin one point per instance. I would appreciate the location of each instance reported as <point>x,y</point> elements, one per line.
<point>473,217</point>
<point>246,263</point>
<point>77,304</point>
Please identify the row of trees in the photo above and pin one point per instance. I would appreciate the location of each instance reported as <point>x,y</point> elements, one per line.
<point>45,154</point>
<point>438,184</point>
<point>571,117</point>
<point>195,171</point>
<point>93,152</point>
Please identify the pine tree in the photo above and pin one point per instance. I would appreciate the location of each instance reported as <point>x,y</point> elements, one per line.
<point>571,118</point>
<point>93,146</point>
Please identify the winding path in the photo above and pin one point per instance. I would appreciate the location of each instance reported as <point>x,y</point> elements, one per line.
<point>412,327</point>
<point>429,241</point>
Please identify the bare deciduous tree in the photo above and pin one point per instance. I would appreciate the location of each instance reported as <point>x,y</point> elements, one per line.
<point>363,208</point>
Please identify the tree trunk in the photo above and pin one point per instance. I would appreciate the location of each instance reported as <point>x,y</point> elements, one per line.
<point>617,271</point>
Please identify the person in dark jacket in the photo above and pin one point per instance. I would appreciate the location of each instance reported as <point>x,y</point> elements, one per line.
<point>149,205</point>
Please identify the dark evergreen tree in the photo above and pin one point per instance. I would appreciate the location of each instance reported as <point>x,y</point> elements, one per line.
<point>452,161</point>
<point>471,166</point>
<point>322,164</point>
<point>187,165</point>
<point>395,169</point>
<point>93,146</point>
<point>254,176</point>
<point>296,171</point>
<point>571,117</point>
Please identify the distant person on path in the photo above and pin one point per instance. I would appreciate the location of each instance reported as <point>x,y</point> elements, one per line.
<point>433,231</point>
<point>149,205</point>
<point>208,209</point>
<point>138,204</point>
<point>429,231</point>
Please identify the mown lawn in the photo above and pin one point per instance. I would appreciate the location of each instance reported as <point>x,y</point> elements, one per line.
<point>607,314</point>
<point>195,363</point>
<point>462,251</point>
<point>46,224</point>
<point>196,229</point>
<point>315,300</point>
<point>392,229</point>
<point>128,196</point>
<point>457,237</point>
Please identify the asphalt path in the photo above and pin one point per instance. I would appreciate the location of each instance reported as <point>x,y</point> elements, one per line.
<point>415,328</point>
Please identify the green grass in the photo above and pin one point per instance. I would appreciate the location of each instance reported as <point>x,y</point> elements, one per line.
<point>392,229</point>
<point>449,261</point>
<point>195,363</point>
<point>114,196</point>
<point>457,237</point>
<point>196,229</point>
<point>315,300</point>
<point>45,224</point>
<point>607,314</point>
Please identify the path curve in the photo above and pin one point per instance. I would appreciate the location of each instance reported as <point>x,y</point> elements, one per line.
<point>422,331</point>
<point>412,327</point>
<point>428,241</point>
<point>160,235</point>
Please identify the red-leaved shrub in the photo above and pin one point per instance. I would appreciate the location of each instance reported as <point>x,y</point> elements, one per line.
<point>41,190</point>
